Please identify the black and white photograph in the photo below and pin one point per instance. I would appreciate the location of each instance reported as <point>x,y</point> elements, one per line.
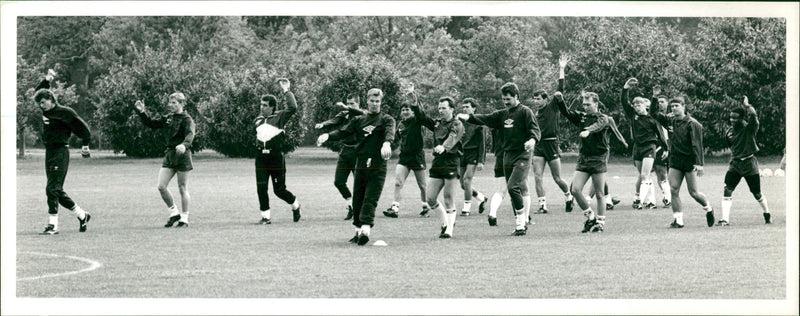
<point>250,158</point>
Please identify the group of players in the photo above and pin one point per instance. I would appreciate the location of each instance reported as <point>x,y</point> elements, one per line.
<point>666,139</point>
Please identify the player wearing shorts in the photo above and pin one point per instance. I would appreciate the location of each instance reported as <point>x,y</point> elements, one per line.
<point>347,153</point>
<point>474,156</point>
<point>374,134</point>
<point>547,150</point>
<point>412,158</point>
<point>661,164</point>
<point>520,134</point>
<point>177,154</point>
<point>59,123</point>
<point>686,158</point>
<point>742,140</point>
<point>447,150</point>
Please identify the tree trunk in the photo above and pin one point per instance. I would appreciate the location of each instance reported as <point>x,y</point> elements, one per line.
<point>22,143</point>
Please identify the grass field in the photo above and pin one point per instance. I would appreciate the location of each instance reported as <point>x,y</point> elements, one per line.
<point>225,255</point>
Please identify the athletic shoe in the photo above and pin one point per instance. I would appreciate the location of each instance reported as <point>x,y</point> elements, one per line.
<point>83,222</point>
<point>520,232</point>
<point>172,220</point>
<point>445,236</point>
<point>675,224</point>
<point>424,212</point>
<point>296,215</point>
<point>569,206</point>
<point>666,203</point>
<point>609,207</point>
<point>363,240</point>
<point>615,200</point>
<point>588,224</point>
<point>723,222</point>
<point>349,213</point>
<point>444,228</point>
<point>492,221</point>
<point>541,210</point>
<point>182,225</point>
<point>482,206</point>
<point>710,218</point>
<point>265,221</point>
<point>597,228</point>
<point>464,213</point>
<point>767,218</point>
<point>390,212</point>
<point>49,230</point>
<point>637,204</point>
<point>353,240</point>
<point>651,206</point>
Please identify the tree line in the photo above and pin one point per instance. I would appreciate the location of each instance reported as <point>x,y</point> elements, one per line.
<point>224,64</point>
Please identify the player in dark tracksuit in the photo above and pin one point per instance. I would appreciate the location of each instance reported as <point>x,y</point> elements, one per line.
<point>60,122</point>
<point>592,157</point>
<point>347,154</point>
<point>547,150</point>
<point>474,142</point>
<point>661,163</point>
<point>447,150</point>
<point>742,140</point>
<point>374,134</point>
<point>177,154</point>
<point>520,134</point>
<point>646,135</point>
<point>685,158</point>
<point>412,158</point>
<point>270,162</point>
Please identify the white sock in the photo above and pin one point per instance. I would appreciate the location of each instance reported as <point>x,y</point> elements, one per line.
<point>396,206</point>
<point>644,188</point>
<point>763,203</point>
<point>665,190</point>
<point>588,213</point>
<point>480,196</point>
<point>526,205</point>
<point>296,204</point>
<point>265,214</point>
<point>78,211</point>
<point>727,202</point>
<point>651,195</point>
<point>497,199</point>
<point>568,196</point>
<point>425,205</point>
<point>451,222</point>
<point>52,219</point>
<point>358,230</point>
<point>543,202</point>
<point>443,213</point>
<point>678,217</point>
<point>521,219</point>
<point>173,210</point>
<point>608,199</point>
<point>467,206</point>
<point>707,208</point>
<point>601,219</point>
<point>365,230</point>
<point>184,217</point>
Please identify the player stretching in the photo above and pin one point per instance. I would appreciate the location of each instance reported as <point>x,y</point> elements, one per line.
<point>374,134</point>
<point>474,156</point>
<point>59,123</point>
<point>646,135</point>
<point>347,154</point>
<point>742,141</point>
<point>412,157</point>
<point>270,161</point>
<point>520,133</point>
<point>661,163</point>
<point>547,151</point>
<point>685,159</point>
<point>447,133</point>
<point>177,154</point>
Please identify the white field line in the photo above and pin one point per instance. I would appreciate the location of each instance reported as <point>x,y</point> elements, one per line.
<point>93,265</point>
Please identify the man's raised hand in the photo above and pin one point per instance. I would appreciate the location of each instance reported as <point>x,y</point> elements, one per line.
<point>563,61</point>
<point>631,82</point>
<point>322,139</point>
<point>656,90</point>
<point>462,116</point>
<point>139,105</point>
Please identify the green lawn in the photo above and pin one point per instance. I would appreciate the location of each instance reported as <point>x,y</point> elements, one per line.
<point>225,255</point>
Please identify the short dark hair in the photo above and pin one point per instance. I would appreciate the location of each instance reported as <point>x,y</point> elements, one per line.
<point>739,111</point>
<point>283,80</point>
<point>44,94</point>
<point>450,101</point>
<point>405,105</point>
<point>540,92</point>
<point>677,100</point>
<point>510,88</point>
<point>661,96</point>
<point>354,96</point>
<point>270,99</point>
<point>472,102</point>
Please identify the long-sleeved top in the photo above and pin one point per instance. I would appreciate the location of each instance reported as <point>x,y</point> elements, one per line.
<point>644,128</point>
<point>409,135</point>
<point>597,124</point>
<point>517,123</point>
<point>742,139</point>
<point>60,122</point>
<point>445,133</point>
<point>547,116</point>
<point>687,135</point>
<point>278,119</point>
<point>180,128</point>
<point>371,131</point>
<point>663,141</point>
<point>474,139</point>
<point>341,119</point>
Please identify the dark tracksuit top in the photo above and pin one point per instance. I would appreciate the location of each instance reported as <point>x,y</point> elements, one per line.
<point>347,154</point>
<point>474,141</point>
<point>598,124</point>
<point>445,133</point>
<point>644,128</point>
<point>180,128</point>
<point>686,140</point>
<point>371,131</point>
<point>742,140</point>
<point>273,164</point>
<point>409,133</point>
<point>59,123</point>
<point>547,116</point>
<point>664,134</point>
<point>340,120</point>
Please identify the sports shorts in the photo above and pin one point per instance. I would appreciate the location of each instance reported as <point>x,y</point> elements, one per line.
<point>445,167</point>
<point>548,149</point>
<point>178,162</point>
